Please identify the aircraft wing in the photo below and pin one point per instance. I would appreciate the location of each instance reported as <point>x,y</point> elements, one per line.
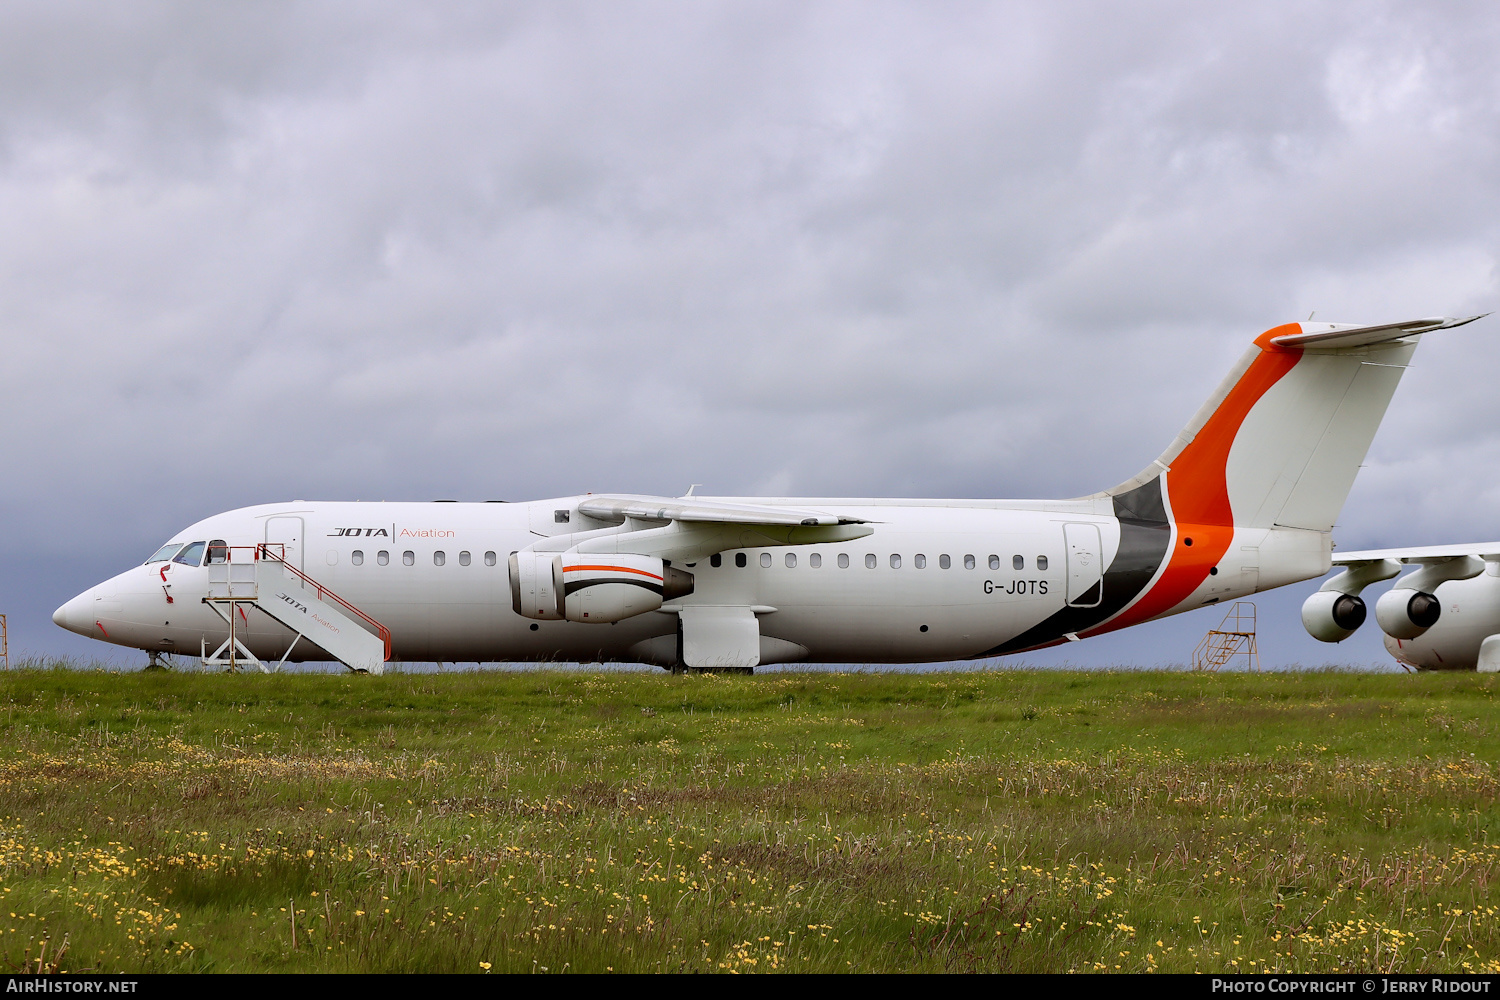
<point>1419,554</point>
<point>689,528</point>
<point>616,509</point>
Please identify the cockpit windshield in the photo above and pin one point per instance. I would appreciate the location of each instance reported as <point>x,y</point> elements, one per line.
<point>191,555</point>
<point>166,552</point>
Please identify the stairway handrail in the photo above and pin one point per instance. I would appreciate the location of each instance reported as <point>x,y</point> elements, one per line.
<point>263,551</point>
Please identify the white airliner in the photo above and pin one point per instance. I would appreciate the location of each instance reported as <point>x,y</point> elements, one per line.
<point>1443,616</point>
<point>1243,501</point>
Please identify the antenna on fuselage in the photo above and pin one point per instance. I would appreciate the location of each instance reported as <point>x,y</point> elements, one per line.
<point>690,490</point>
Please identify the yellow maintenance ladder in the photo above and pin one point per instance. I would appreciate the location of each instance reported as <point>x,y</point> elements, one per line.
<point>1235,636</point>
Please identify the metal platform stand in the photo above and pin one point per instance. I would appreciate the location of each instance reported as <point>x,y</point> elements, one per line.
<point>1235,636</point>
<point>258,577</point>
<point>4,643</point>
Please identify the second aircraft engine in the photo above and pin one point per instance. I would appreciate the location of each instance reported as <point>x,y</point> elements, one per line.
<point>1331,616</point>
<point>609,588</point>
<point>1404,613</point>
<point>590,587</point>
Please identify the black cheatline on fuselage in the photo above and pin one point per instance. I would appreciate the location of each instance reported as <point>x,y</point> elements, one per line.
<point>1145,536</point>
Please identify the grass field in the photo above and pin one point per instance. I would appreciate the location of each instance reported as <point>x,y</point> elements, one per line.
<point>581,822</point>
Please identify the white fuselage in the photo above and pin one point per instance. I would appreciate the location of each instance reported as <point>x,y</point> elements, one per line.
<point>934,580</point>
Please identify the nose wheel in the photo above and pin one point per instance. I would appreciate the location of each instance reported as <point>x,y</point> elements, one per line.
<point>157,662</point>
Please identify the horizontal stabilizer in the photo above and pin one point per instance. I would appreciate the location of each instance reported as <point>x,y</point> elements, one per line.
<point>1334,335</point>
<point>618,508</point>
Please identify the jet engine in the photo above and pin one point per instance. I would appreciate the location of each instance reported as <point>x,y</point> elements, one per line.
<point>610,588</point>
<point>1404,613</point>
<point>592,588</point>
<point>536,585</point>
<point>1331,616</point>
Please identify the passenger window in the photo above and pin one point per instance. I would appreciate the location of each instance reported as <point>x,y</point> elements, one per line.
<point>994,562</point>
<point>439,558</point>
<point>740,560</point>
<point>919,561</point>
<point>895,561</point>
<point>463,558</point>
<point>815,560</point>
<point>1017,562</point>
<point>357,558</point>
<point>383,558</point>
<point>968,562</point>
<point>408,558</point>
<point>843,560</point>
<point>791,560</point>
<point>489,558</point>
<point>870,560</point>
<point>716,560</point>
<point>765,560</point>
<point>218,551</point>
<point>165,552</point>
<point>1041,562</point>
<point>944,562</point>
<point>191,555</point>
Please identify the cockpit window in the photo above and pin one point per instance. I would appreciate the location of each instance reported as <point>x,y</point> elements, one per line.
<point>218,551</point>
<point>192,555</point>
<point>166,552</point>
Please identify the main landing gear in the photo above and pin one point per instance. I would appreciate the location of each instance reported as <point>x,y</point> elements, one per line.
<point>711,670</point>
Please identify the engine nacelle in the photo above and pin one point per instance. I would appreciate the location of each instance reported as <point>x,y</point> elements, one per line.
<point>1405,614</point>
<point>536,585</point>
<point>599,589</point>
<point>1331,616</point>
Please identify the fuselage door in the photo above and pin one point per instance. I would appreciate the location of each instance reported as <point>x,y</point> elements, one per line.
<point>1085,569</point>
<point>284,534</point>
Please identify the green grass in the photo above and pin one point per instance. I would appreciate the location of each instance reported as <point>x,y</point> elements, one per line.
<point>562,821</point>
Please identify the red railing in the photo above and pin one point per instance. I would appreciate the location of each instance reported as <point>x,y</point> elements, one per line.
<point>263,551</point>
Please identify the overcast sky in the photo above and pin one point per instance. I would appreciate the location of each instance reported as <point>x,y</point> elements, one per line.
<point>253,252</point>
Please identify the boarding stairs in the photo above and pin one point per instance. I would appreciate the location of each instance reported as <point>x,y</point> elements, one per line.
<point>1235,636</point>
<point>260,576</point>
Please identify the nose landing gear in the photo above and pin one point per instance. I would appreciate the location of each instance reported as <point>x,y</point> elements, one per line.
<point>156,661</point>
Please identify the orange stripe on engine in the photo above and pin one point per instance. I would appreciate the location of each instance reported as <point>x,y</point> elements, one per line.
<point>1197,489</point>
<point>610,569</point>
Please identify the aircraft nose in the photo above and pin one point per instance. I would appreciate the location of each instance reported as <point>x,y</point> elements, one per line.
<point>73,616</point>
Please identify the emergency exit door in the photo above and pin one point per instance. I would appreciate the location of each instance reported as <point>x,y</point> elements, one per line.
<point>1085,565</point>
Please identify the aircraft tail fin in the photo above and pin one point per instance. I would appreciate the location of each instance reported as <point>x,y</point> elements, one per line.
<point>1280,441</point>
<point>1246,496</point>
